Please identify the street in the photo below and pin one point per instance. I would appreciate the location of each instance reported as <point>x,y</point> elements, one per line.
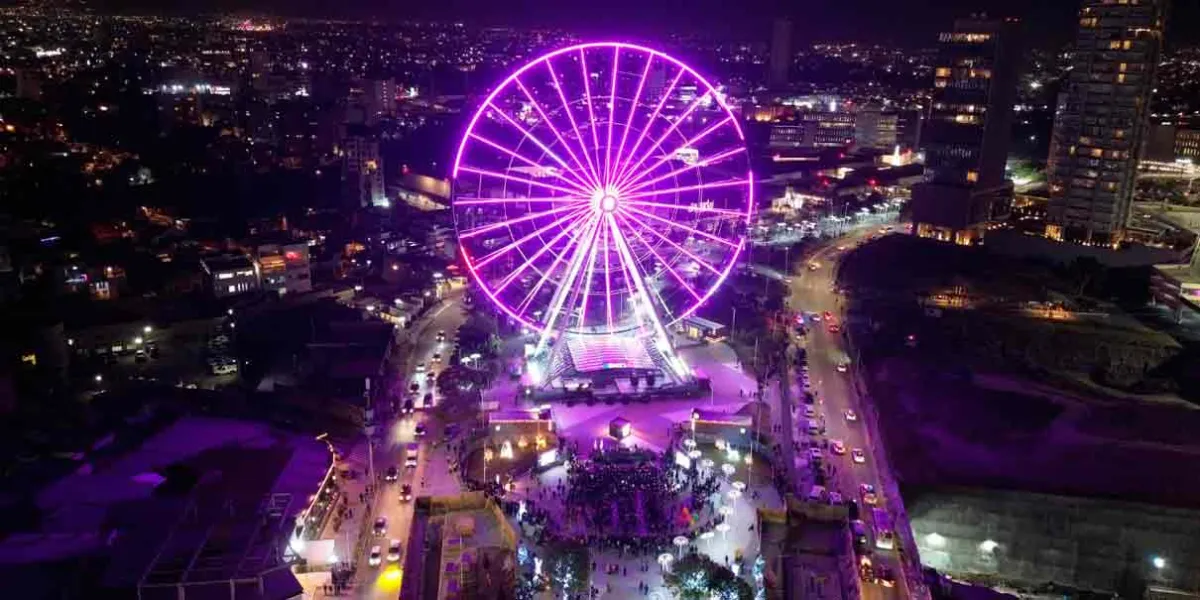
<point>814,292</point>
<point>431,475</point>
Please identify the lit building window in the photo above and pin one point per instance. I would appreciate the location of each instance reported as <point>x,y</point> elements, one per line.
<point>972,176</point>
<point>942,72</point>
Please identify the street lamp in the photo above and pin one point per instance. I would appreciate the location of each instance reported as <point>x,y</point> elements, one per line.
<point>680,542</point>
<point>147,329</point>
<point>1159,562</point>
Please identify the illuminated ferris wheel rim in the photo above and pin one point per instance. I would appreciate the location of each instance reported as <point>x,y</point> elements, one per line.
<point>601,200</point>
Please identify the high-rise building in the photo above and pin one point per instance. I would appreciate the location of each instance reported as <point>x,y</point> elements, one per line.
<point>966,136</point>
<point>875,128</point>
<point>380,99</point>
<point>362,169</point>
<point>780,61</point>
<point>1102,119</point>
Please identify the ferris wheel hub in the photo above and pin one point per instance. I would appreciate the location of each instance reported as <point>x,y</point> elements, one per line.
<point>605,200</point>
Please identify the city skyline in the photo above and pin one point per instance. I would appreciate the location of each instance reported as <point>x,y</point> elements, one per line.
<point>865,21</point>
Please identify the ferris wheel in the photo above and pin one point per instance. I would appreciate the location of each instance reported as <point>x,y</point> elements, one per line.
<point>602,189</point>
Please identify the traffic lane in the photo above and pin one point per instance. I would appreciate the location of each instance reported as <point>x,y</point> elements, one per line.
<point>381,581</point>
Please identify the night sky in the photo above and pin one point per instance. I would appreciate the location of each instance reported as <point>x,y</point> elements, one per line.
<point>907,22</point>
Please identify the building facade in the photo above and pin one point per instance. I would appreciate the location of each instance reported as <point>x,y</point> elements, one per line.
<point>284,268</point>
<point>230,275</point>
<point>1102,119</point>
<point>362,169</point>
<point>966,137</point>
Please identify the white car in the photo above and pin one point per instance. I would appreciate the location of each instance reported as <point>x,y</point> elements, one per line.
<point>858,456</point>
<point>837,447</point>
<point>420,367</point>
<point>843,367</point>
<point>376,556</point>
<point>851,415</point>
<point>394,551</point>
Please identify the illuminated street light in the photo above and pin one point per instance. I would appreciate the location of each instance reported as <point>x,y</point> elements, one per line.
<point>98,378</point>
<point>1159,562</point>
<point>147,329</point>
<point>936,540</point>
<point>988,546</point>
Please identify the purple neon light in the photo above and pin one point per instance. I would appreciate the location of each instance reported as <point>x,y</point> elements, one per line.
<point>588,238</point>
<point>641,184</point>
<point>527,134</point>
<point>557,134</point>
<point>634,177</point>
<point>579,186</point>
<point>662,138</point>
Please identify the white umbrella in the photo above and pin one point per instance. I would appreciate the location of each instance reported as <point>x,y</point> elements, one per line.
<point>707,463</point>
<point>694,454</point>
<point>680,542</point>
<point>739,486</point>
<point>690,443</point>
<point>664,560</point>
<point>728,469</point>
<point>723,528</point>
<point>734,494</point>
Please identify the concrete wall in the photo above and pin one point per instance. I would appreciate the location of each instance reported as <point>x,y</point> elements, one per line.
<point>1039,538</point>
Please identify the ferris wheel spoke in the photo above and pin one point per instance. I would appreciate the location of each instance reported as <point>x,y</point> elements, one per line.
<point>509,222</point>
<point>687,188</point>
<point>673,244</point>
<point>662,138</point>
<point>641,183</point>
<point>571,118</point>
<point>687,207</point>
<point>567,283</point>
<point>476,201</point>
<point>514,179</point>
<point>574,183</point>
<point>607,283</point>
<point>535,233</point>
<point>508,279</point>
<point>537,106</point>
<point>612,108</point>
<point>587,278</point>
<point>666,265</point>
<point>637,96</point>
<point>587,97</point>
<point>528,135</point>
<point>625,255</point>
<point>637,142</point>
<point>614,234</point>
<point>691,230</point>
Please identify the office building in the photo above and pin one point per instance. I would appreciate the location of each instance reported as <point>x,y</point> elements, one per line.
<point>874,128</point>
<point>1102,119</point>
<point>380,99</point>
<point>284,268</point>
<point>780,61</point>
<point>230,275</point>
<point>966,137</point>
<point>362,169</point>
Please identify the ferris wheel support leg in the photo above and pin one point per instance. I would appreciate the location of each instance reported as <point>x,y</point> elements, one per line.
<point>662,340</point>
<point>560,295</point>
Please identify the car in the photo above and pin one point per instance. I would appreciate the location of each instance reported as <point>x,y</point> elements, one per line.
<point>420,430</point>
<point>837,447</point>
<point>833,328</point>
<point>430,377</point>
<point>420,367</point>
<point>867,492</point>
<point>815,454</point>
<point>441,336</point>
<point>380,527</point>
<point>885,577</point>
<point>427,401</point>
<point>828,315</point>
<point>437,357</point>
<point>816,317</point>
<point>411,455</point>
<point>816,493</point>
<point>408,408</point>
<point>858,456</point>
<point>376,556</point>
<point>813,266</point>
<point>406,492</point>
<point>859,529</point>
<point>810,412</point>
<point>851,415</point>
<point>842,367</point>
<point>841,247</point>
<point>394,549</point>
<point>392,474</point>
<point>414,387</point>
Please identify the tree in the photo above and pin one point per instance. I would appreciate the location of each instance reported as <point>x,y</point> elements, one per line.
<point>697,577</point>
<point>568,567</point>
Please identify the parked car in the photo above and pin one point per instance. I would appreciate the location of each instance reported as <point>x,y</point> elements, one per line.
<point>376,556</point>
